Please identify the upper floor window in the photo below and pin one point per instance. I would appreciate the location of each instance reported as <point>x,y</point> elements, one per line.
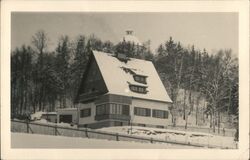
<point>140,79</point>
<point>138,89</point>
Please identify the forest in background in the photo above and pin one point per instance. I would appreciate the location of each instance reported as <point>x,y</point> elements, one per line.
<point>43,80</point>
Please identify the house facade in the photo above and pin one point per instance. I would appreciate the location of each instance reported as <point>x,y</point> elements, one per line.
<point>117,90</point>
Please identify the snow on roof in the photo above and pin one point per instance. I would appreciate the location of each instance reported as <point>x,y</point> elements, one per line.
<point>117,80</point>
<point>36,115</point>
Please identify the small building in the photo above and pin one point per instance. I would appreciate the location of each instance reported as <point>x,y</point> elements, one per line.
<point>50,116</point>
<point>67,115</point>
<point>117,90</point>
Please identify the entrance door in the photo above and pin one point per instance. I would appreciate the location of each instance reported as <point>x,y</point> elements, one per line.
<point>65,119</point>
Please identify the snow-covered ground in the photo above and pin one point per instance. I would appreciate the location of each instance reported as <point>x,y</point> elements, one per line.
<point>23,140</point>
<point>174,135</point>
<point>199,138</point>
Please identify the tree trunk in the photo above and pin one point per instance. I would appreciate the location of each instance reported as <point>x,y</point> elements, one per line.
<point>40,99</point>
<point>186,122</point>
<point>64,100</point>
<point>22,97</point>
<point>185,117</point>
<point>213,121</point>
<point>196,115</point>
<point>184,105</point>
<point>218,121</point>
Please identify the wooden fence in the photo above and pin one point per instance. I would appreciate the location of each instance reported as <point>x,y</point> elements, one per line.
<point>226,132</point>
<point>47,129</point>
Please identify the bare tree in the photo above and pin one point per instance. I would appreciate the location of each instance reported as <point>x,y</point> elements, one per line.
<point>216,87</point>
<point>40,42</point>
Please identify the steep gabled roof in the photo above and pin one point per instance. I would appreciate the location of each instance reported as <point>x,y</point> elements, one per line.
<point>117,76</point>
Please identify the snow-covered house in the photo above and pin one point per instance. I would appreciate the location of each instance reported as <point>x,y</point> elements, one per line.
<point>117,90</point>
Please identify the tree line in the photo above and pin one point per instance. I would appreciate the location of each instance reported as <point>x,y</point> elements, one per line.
<point>42,80</point>
<point>213,76</point>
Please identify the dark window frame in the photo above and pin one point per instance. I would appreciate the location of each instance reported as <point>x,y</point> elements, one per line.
<point>85,112</point>
<point>138,89</point>
<point>140,79</point>
<point>144,112</point>
<point>113,108</point>
<point>163,114</point>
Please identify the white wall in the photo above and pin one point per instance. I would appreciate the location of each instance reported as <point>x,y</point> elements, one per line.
<point>151,105</point>
<point>87,120</point>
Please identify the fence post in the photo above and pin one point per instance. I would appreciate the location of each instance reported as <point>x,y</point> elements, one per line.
<point>27,123</point>
<point>55,130</point>
<point>151,140</point>
<point>117,137</point>
<point>86,132</point>
<point>208,142</point>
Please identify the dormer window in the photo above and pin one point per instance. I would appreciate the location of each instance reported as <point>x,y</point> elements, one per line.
<point>138,89</point>
<point>140,79</point>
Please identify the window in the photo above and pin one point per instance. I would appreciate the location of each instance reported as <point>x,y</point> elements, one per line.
<point>102,109</point>
<point>160,114</point>
<point>65,118</point>
<point>141,125</point>
<point>159,126</point>
<point>118,123</point>
<point>142,111</point>
<point>85,112</point>
<point>125,109</point>
<point>140,79</point>
<point>138,89</point>
<point>115,108</point>
<point>112,108</point>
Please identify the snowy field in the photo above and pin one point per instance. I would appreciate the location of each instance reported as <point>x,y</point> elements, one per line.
<point>187,137</point>
<point>174,135</point>
<point>23,140</point>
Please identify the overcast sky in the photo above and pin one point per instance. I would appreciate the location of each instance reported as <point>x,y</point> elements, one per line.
<point>212,31</point>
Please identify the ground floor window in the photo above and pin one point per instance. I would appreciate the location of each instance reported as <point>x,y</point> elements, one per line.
<point>142,111</point>
<point>118,123</point>
<point>85,112</point>
<point>160,114</point>
<point>112,108</point>
<point>141,125</point>
<point>159,126</point>
<point>102,109</point>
